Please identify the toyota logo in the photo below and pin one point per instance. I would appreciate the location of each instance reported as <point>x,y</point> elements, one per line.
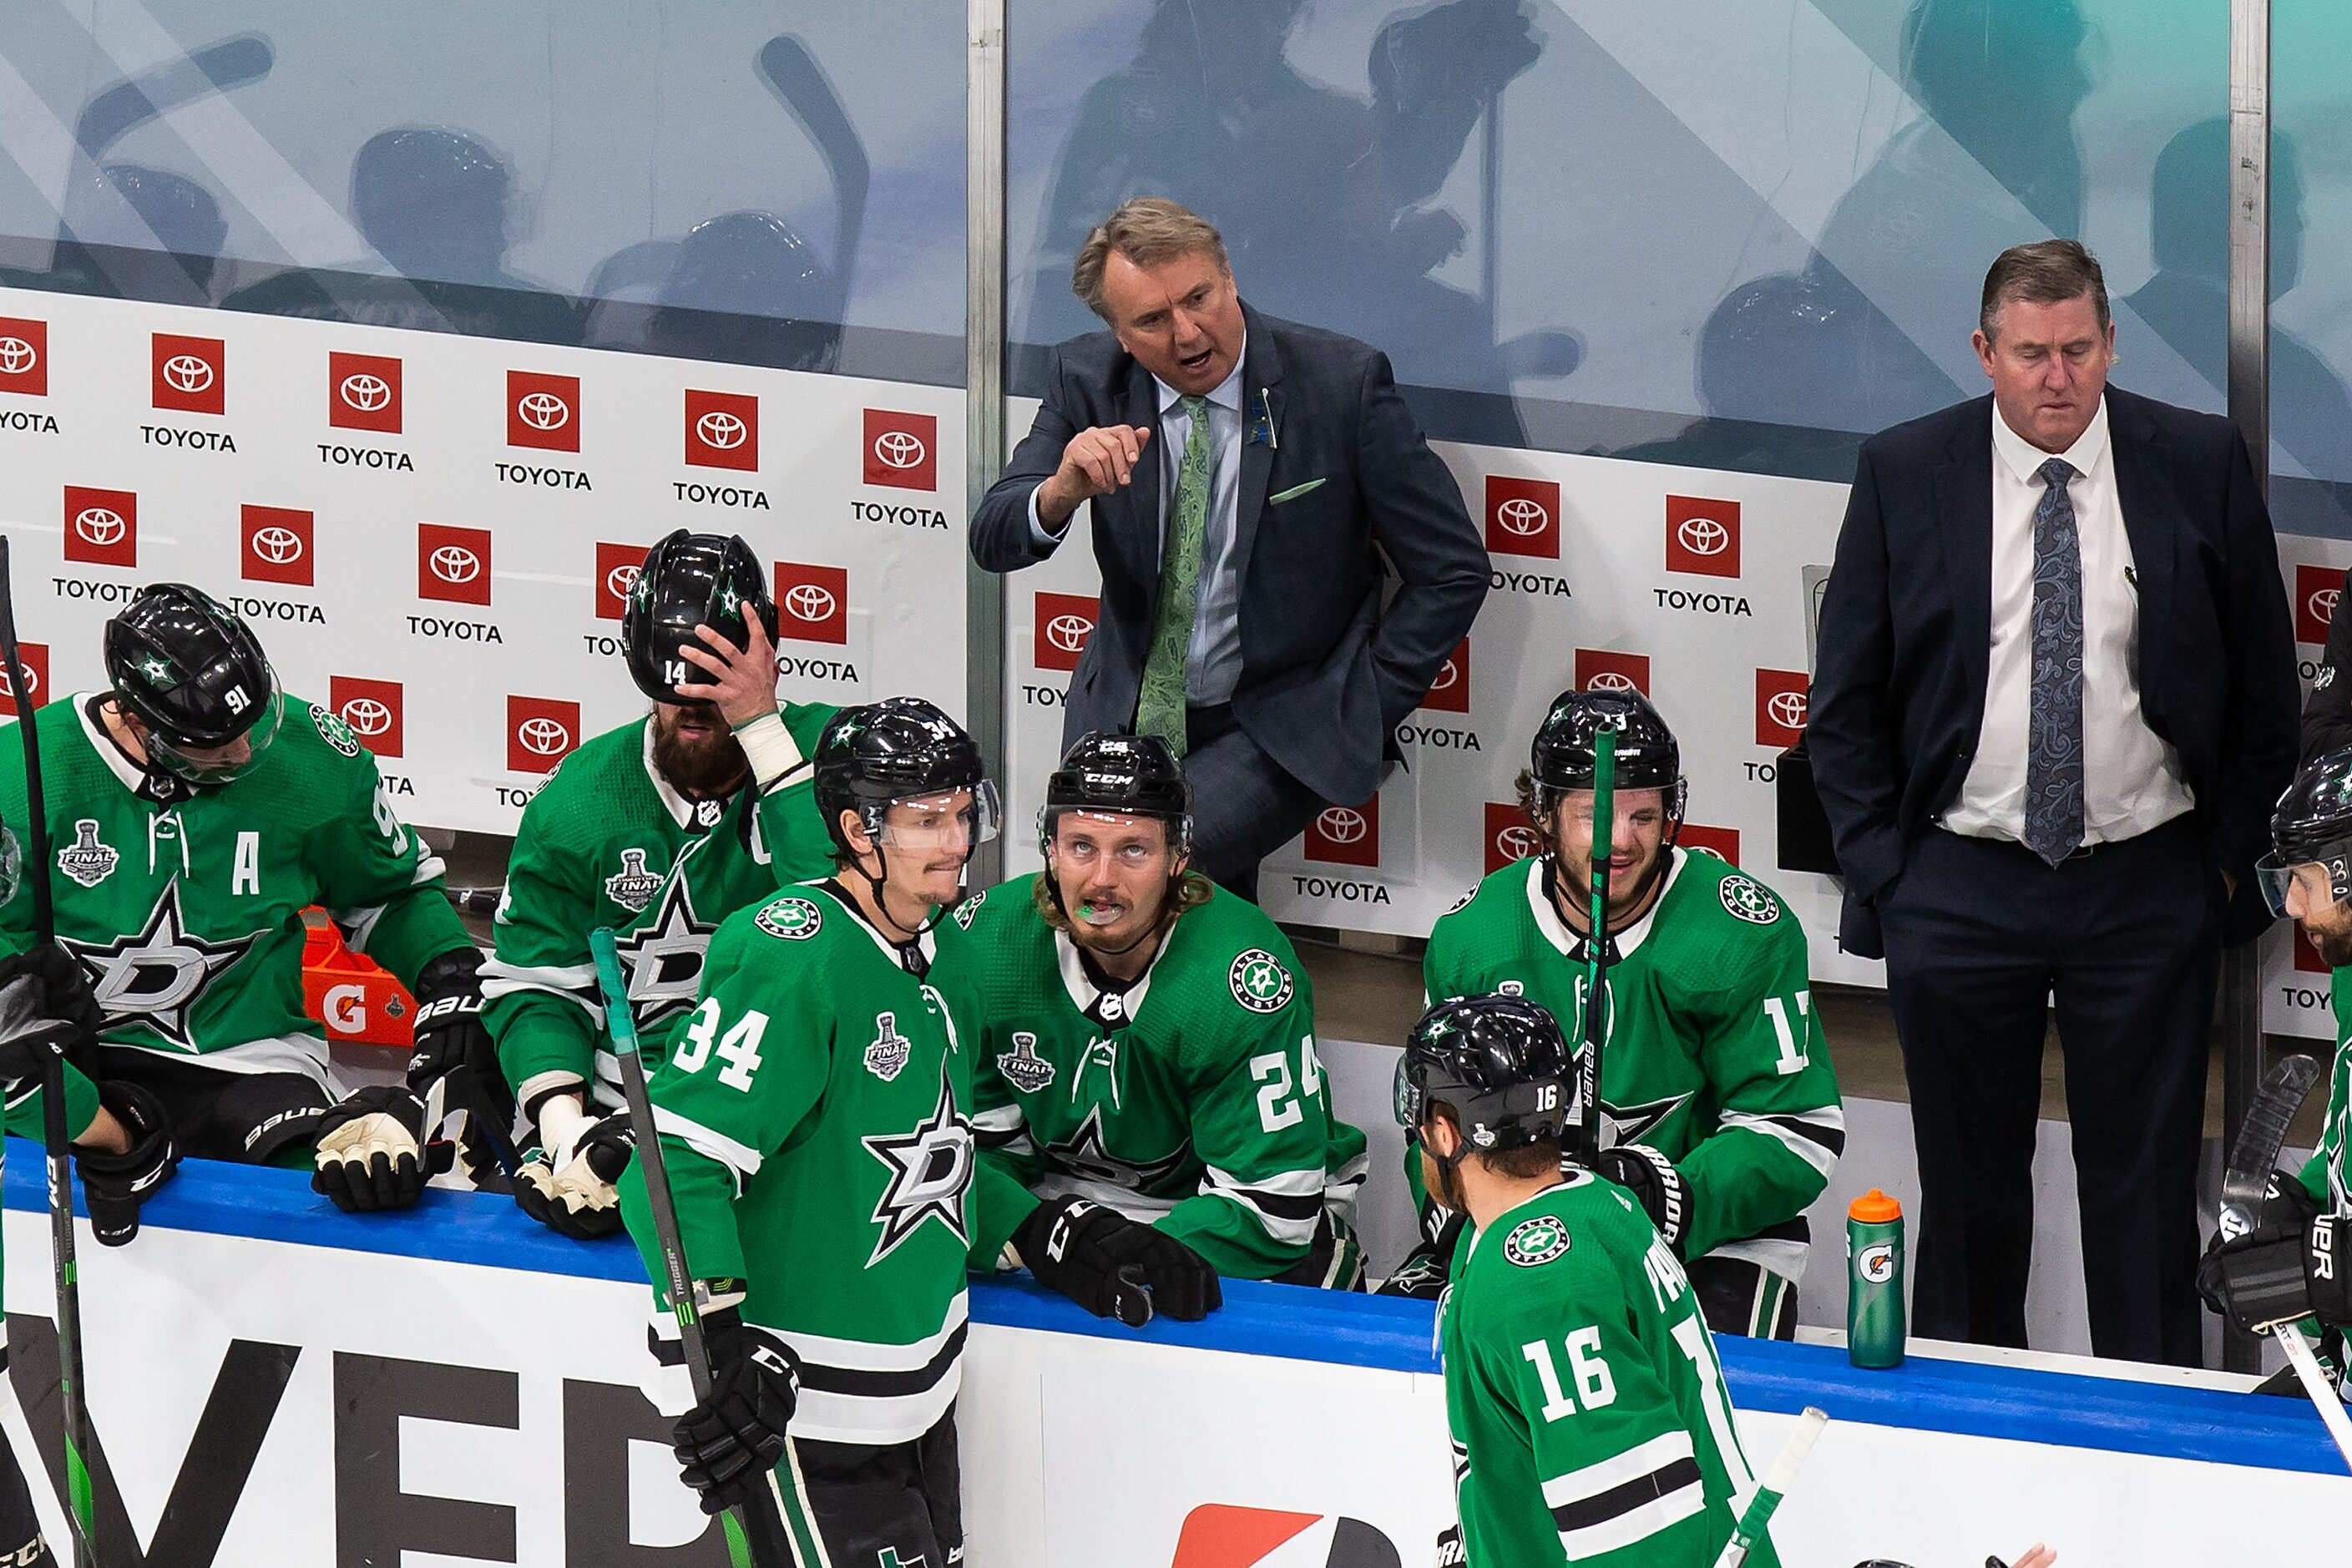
<point>455,563</point>
<point>1612,681</point>
<point>1518,842</point>
<point>543,410</point>
<point>1449,675</point>
<point>277,545</point>
<point>807,602</point>
<point>2323,605</point>
<point>1787,708</point>
<point>365,393</point>
<point>17,356</point>
<point>1704,536</point>
<point>542,737</point>
<point>622,578</point>
<point>1342,824</point>
<point>187,373</point>
<point>366,716</point>
<point>721,430</point>
<point>899,449</point>
<point>1521,516</point>
<point>1068,633</point>
<point>100,526</point>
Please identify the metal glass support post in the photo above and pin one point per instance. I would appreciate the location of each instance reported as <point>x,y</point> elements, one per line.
<point>983,389</point>
<point>2249,405</point>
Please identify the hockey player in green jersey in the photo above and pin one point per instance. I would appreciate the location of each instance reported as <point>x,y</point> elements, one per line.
<point>1718,1096</point>
<point>1590,1424</point>
<point>659,829</point>
<point>1150,1039</point>
<point>815,1115</point>
<point>197,810</point>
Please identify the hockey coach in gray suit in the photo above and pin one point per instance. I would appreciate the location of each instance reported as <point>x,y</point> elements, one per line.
<point>1255,482</point>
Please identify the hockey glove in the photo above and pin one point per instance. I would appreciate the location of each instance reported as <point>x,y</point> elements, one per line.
<point>1112,1266</point>
<point>114,1185</point>
<point>1655,1183</point>
<point>1426,1268</point>
<point>65,993</point>
<point>571,1191</point>
<point>727,1444</point>
<point>454,1049</point>
<point>2259,1279</point>
<point>368,1154</point>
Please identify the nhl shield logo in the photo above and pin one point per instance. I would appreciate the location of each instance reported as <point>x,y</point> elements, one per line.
<point>1023,1068</point>
<point>1536,1241</point>
<point>633,887</point>
<point>795,919</point>
<point>1259,982</point>
<point>85,860</point>
<point>1745,899</point>
<point>885,1058</point>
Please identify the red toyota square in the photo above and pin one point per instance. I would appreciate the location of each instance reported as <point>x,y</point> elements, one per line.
<point>1450,692</point>
<point>1781,706</point>
<point>1522,517</point>
<point>372,707</point>
<point>812,602</point>
<point>1065,621</point>
<point>617,566</point>
<point>723,430</point>
<point>1347,834</point>
<point>363,393</point>
<point>1703,536</point>
<point>102,526</point>
<point>540,730</point>
<point>2307,957</point>
<point>277,545</point>
<point>453,564</point>
<point>2315,590</point>
<point>543,410</point>
<point>24,356</point>
<point>1724,841</point>
<point>191,374</point>
<point>1597,669</point>
<point>902,449</point>
<point>35,656</point>
<point>1509,835</point>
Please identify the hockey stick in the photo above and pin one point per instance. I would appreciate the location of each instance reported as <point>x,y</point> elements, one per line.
<point>55,1137</point>
<point>2329,1403</point>
<point>114,112</point>
<point>792,73</point>
<point>1595,1024</point>
<point>1777,1482</point>
<point>756,1536</point>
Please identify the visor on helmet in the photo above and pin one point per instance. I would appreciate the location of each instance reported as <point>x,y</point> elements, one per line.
<point>2275,874</point>
<point>922,824</point>
<point>218,764</point>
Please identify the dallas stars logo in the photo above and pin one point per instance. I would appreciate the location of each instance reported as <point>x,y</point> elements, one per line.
<point>1632,1123</point>
<point>1259,982</point>
<point>663,957</point>
<point>633,887</point>
<point>1536,1241</point>
<point>155,977</point>
<point>931,1170</point>
<point>1747,899</point>
<point>1084,1153</point>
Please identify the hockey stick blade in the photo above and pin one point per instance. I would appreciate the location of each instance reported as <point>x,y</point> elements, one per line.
<point>800,84</point>
<point>2324,1398</point>
<point>117,110</point>
<point>2263,1134</point>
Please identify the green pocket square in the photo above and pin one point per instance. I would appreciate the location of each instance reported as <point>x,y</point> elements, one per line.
<point>1294,492</point>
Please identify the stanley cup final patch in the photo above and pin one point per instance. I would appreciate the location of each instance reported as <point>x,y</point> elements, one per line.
<point>1260,983</point>
<point>1023,1068</point>
<point>1747,899</point>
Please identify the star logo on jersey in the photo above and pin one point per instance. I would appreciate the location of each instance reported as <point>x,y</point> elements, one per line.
<point>1084,1153</point>
<point>1259,982</point>
<point>335,733</point>
<point>794,918</point>
<point>633,887</point>
<point>1023,1068</point>
<point>1745,899</point>
<point>931,1170</point>
<point>1536,1241</point>
<point>664,957</point>
<point>885,1058</point>
<point>1623,1124</point>
<point>969,910</point>
<point>155,976</point>
<point>85,860</point>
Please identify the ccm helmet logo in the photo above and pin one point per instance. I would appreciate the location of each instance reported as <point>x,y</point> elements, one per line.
<point>1342,824</point>
<point>721,430</point>
<point>365,393</point>
<point>454,564</point>
<point>17,357</point>
<point>542,736</point>
<point>100,525</point>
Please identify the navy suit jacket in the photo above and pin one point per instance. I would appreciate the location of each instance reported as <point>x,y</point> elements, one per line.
<point>1327,672</point>
<point>1898,696</point>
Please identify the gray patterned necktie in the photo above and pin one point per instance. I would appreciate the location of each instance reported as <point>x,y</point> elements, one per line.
<point>2053,762</point>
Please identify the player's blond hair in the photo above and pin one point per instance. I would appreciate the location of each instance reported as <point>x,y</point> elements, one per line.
<point>1148,231</point>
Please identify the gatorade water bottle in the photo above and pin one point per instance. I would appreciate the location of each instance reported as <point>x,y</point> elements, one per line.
<point>1875,1330</point>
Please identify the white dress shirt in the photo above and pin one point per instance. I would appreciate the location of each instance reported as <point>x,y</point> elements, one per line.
<point>2131,778</point>
<point>1212,662</point>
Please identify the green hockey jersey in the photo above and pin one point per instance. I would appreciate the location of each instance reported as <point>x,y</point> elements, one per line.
<point>815,1111</point>
<point>2325,1175</point>
<point>1193,1100</point>
<point>1589,1420</point>
<point>1713,1056</point>
<point>607,842</point>
<point>188,916</point>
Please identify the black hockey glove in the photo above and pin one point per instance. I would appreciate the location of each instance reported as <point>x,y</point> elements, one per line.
<point>2290,1264</point>
<point>45,1006</point>
<point>66,995</point>
<point>114,1185</point>
<point>369,1158</point>
<point>1426,1268</point>
<point>727,1444</point>
<point>1112,1266</point>
<point>1653,1180</point>
<point>452,1043</point>
<point>571,1191</point>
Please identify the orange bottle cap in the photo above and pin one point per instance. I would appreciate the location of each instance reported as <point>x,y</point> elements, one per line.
<point>1875,1207</point>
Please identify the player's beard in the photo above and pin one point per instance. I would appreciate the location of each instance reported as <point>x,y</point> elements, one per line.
<point>2334,945</point>
<point>706,766</point>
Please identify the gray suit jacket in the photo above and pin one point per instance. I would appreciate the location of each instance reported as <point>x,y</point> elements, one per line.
<point>1327,672</point>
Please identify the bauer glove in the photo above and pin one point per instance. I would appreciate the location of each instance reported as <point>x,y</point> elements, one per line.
<point>369,1157</point>
<point>571,1191</point>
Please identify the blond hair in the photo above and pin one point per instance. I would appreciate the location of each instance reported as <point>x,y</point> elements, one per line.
<point>1147,230</point>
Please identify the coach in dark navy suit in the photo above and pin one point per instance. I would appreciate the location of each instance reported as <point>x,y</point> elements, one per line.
<point>2055,700</point>
<point>1254,483</point>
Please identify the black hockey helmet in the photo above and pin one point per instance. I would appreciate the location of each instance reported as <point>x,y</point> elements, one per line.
<point>2312,823</point>
<point>195,676</point>
<point>901,747</point>
<point>689,580</point>
<point>1566,743</point>
<point>1499,1063</point>
<point>1123,775</point>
